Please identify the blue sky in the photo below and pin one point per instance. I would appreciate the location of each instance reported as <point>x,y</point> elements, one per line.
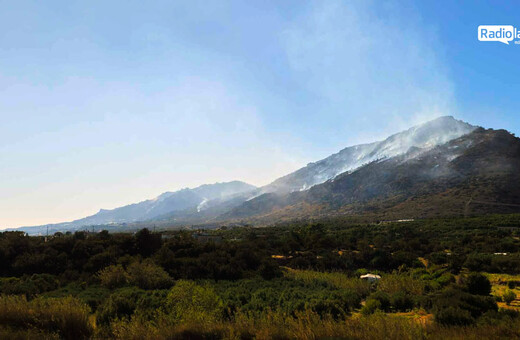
<point>108,103</point>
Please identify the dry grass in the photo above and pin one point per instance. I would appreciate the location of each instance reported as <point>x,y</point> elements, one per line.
<point>309,326</point>
<point>337,280</point>
<point>306,325</point>
<point>68,317</point>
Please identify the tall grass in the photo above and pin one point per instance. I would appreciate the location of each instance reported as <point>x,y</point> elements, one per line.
<point>67,318</point>
<point>308,325</point>
<point>336,280</point>
<point>24,334</point>
<point>273,325</point>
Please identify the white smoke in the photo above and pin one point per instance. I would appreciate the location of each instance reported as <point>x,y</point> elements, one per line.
<point>202,204</point>
<point>375,65</point>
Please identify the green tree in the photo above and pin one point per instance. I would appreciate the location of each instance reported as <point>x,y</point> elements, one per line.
<point>146,242</point>
<point>148,275</point>
<point>189,302</point>
<point>113,276</point>
<point>478,284</point>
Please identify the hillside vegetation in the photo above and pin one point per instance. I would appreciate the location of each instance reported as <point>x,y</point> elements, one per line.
<point>288,281</point>
<point>476,174</point>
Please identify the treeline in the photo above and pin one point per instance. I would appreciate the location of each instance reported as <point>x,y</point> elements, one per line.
<point>240,282</point>
<point>77,256</point>
<point>480,244</point>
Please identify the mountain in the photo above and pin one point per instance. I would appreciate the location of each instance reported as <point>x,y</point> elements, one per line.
<point>427,135</point>
<point>442,167</point>
<point>476,173</point>
<point>183,202</point>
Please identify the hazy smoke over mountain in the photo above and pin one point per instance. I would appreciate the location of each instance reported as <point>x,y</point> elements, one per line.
<point>368,59</point>
<point>424,136</point>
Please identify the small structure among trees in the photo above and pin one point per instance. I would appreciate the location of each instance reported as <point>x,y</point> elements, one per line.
<point>370,277</point>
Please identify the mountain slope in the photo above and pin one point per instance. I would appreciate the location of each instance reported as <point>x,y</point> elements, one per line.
<point>168,204</point>
<point>427,135</point>
<point>444,166</point>
<point>476,173</point>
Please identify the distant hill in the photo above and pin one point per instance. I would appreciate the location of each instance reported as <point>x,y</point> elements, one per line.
<point>473,174</point>
<point>166,205</point>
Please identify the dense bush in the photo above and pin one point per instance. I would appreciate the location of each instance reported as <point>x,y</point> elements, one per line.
<point>402,302</point>
<point>189,302</point>
<point>30,286</point>
<point>113,276</point>
<point>478,284</point>
<point>383,298</point>
<point>509,296</point>
<point>122,303</point>
<point>455,297</point>
<point>453,316</point>
<point>147,275</point>
<point>371,305</point>
<point>513,284</point>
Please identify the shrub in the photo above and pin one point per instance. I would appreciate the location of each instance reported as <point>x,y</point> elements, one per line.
<point>445,279</point>
<point>336,280</point>
<point>122,303</point>
<point>453,316</point>
<point>113,276</point>
<point>29,286</point>
<point>148,275</point>
<point>270,270</point>
<point>335,304</point>
<point>23,334</point>
<point>383,298</point>
<point>476,305</point>
<point>44,282</point>
<point>509,296</point>
<point>512,284</point>
<point>503,315</point>
<point>371,305</point>
<point>478,284</point>
<point>93,296</point>
<point>67,317</point>
<point>99,261</point>
<point>478,261</point>
<point>189,302</point>
<point>393,283</point>
<point>401,301</point>
<point>17,286</point>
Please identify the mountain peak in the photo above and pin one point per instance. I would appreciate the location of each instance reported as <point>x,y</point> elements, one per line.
<point>447,120</point>
<point>427,135</point>
<point>446,117</point>
<point>476,173</point>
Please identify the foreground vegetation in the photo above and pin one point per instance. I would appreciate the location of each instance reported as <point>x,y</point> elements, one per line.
<point>290,281</point>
